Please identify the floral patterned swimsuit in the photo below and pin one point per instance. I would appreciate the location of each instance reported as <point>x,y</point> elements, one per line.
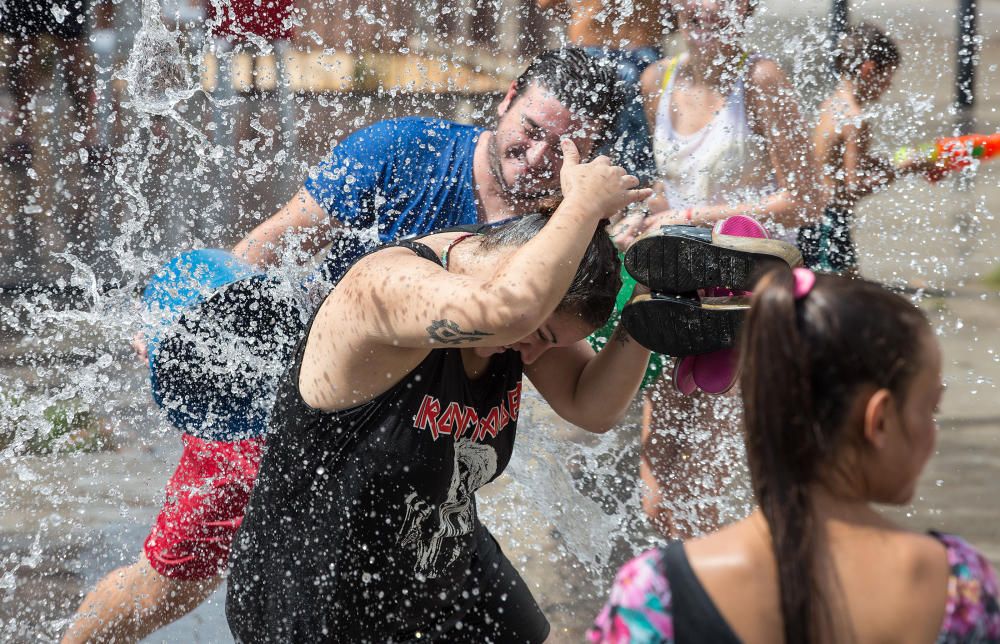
<point>643,609</point>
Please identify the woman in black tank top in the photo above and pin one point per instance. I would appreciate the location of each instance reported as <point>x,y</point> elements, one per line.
<point>402,401</point>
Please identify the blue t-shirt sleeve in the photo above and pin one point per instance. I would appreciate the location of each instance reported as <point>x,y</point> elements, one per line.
<point>407,176</point>
<point>349,181</point>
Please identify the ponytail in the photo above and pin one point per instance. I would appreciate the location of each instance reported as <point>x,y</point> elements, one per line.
<point>784,457</point>
<point>804,360</point>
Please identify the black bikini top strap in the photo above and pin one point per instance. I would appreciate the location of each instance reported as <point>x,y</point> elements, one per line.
<point>423,250</point>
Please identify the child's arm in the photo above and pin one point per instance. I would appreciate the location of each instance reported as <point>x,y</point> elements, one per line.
<point>826,141</point>
<point>932,169</point>
<point>842,139</point>
<point>861,172</point>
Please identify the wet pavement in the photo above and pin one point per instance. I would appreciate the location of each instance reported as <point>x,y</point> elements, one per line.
<point>67,520</point>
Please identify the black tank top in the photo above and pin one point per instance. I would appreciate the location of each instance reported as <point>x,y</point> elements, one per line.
<point>361,524</point>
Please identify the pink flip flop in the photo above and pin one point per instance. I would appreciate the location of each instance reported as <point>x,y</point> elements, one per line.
<point>740,226</point>
<point>735,226</point>
<point>715,373</point>
<point>684,375</point>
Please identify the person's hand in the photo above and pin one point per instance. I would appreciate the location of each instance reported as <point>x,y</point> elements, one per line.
<point>932,169</point>
<point>881,171</point>
<point>935,171</point>
<point>670,218</point>
<point>624,230</point>
<point>665,218</point>
<point>629,228</point>
<point>658,202</point>
<point>596,189</point>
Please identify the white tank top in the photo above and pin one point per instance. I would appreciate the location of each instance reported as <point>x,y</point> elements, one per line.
<point>723,163</point>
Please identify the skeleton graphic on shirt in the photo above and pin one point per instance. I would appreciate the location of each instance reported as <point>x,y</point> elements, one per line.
<point>474,465</point>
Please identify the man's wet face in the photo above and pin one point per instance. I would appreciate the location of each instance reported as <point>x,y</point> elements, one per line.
<point>525,156</point>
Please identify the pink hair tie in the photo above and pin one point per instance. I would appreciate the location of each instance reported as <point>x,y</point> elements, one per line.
<point>805,279</point>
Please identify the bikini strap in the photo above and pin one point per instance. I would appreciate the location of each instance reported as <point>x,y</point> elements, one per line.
<point>422,250</point>
<point>671,66</point>
<point>696,618</point>
<point>452,244</point>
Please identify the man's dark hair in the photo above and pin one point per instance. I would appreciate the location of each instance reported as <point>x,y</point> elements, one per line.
<point>586,85</point>
<point>595,286</point>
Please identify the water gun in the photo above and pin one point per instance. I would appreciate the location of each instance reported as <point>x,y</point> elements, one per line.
<point>952,153</point>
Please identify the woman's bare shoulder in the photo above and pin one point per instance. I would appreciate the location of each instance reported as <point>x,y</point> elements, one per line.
<point>737,546</point>
<point>924,554</point>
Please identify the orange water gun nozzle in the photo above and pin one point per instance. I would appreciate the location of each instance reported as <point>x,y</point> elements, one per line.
<point>952,153</point>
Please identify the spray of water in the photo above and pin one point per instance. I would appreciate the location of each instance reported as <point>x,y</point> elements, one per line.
<point>569,507</point>
<point>157,74</point>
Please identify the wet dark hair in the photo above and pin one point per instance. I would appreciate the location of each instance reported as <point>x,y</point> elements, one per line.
<point>804,361</point>
<point>595,286</point>
<point>863,42</point>
<point>586,85</point>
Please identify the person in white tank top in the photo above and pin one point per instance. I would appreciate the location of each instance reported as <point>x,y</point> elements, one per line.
<point>730,161</point>
<point>729,139</point>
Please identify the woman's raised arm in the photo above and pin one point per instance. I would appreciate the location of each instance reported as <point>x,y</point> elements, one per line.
<point>395,298</point>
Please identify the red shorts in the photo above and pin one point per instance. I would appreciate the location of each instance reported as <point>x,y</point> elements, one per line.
<point>206,498</point>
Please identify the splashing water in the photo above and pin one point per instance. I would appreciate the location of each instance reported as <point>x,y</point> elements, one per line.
<point>568,511</point>
<point>156,72</point>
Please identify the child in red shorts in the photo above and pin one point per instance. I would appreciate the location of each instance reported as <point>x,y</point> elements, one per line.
<point>205,500</point>
<point>187,550</point>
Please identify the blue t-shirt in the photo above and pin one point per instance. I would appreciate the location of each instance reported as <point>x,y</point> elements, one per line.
<point>408,177</point>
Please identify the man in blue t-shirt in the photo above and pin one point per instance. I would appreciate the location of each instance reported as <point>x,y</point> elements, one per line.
<point>413,176</point>
<point>396,178</point>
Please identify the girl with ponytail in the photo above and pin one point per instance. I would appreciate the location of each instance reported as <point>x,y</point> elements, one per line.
<point>841,380</point>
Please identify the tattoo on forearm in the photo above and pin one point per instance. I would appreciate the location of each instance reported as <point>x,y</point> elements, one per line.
<point>620,335</point>
<point>447,332</point>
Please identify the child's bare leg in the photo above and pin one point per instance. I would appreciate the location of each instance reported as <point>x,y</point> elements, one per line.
<point>689,459</point>
<point>131,602</point>
<point>79,77</point>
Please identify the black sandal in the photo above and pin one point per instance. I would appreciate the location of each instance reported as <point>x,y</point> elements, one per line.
<point>681,259</point>
<point>677,325</point>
